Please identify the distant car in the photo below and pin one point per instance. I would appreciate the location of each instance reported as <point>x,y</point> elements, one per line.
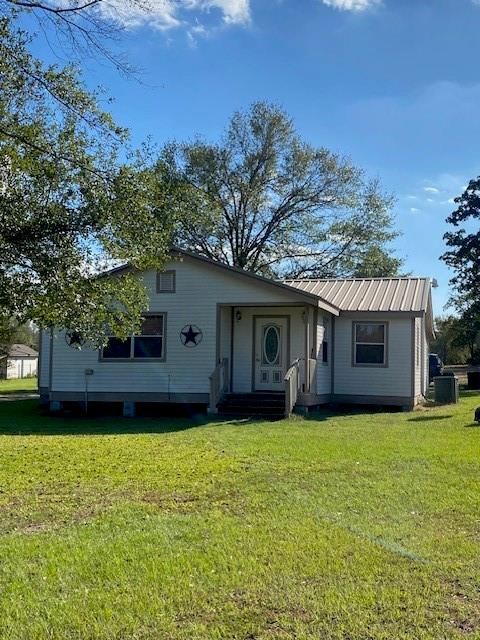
<point>435,366</point>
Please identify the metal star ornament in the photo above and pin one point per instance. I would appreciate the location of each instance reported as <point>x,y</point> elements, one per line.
<point>191,335</point>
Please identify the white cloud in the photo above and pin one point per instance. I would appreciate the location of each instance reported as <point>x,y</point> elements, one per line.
<point>353,5</point>
<point>169,14</point>
<point>431,190</point>
<point>414,210</point>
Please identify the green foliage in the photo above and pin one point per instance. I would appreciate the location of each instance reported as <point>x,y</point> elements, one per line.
<point>449,341</point>
<point>337,526</point>
<point>264,200</point>
<point>68,208</point>
<point>375,262</point>
<point>463,255</point>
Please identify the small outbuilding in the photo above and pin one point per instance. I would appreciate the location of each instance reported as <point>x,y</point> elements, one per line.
<point>20,362</point>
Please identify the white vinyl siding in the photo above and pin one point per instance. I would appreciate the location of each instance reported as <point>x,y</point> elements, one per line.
<point>199,287</point>
<point>421,357</point>
<point>392,380</point>
<point>416,356</point>
<point>44,362</point>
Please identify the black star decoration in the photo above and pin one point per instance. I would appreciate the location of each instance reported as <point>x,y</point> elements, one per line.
<point>190,336</point>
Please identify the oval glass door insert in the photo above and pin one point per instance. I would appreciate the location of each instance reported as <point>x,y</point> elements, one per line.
<point>271,345</point>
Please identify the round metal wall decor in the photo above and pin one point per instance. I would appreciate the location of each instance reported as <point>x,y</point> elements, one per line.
<point>191,335</point>
<point>74,339</point>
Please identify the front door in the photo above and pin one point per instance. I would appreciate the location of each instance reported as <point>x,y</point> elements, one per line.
<point>270,353</point>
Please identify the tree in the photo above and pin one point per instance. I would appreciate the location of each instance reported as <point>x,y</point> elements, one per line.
<point>12,333</point>
<point>375,262</point>
<point>463,256</point>
<point>264,200</point>
<point>79,28</point>
<point>468,335</point>
<point>449,340</point>
<point>66,204</point>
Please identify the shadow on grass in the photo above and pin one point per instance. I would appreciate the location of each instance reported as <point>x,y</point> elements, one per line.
<point>429,418</point>
<point>335,411</point>
<point>25,417</point>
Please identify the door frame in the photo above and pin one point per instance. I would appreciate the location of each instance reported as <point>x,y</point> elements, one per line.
<point>254,340</point>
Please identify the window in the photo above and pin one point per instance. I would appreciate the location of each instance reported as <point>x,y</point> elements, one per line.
<point>166,281</point>
<point>369,340</point>
<point>325,345</point>
<point>148,344</point>
<point>325,352</point>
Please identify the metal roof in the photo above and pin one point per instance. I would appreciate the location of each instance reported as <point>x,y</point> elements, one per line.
<point>370,294</point>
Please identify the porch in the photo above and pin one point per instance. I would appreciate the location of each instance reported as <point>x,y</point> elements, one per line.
<point>266,359</point>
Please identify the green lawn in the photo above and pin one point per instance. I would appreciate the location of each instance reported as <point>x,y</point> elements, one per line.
<point>24,385</point>
<point>361,526</point>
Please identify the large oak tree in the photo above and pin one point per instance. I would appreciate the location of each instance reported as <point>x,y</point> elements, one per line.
<point>264,200</point>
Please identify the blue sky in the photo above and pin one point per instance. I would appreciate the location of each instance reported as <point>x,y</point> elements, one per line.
<point>395,84</point>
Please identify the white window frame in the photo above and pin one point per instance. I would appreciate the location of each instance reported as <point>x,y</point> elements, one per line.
<point>132,357</point>
<point>384,344</point>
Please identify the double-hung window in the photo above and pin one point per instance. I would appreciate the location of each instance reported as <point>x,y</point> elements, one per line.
<point>370,344</point>
<point>148,344</point>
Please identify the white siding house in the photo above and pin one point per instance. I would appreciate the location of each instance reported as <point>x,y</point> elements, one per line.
<point>21,362</point>
<point>212,331</point>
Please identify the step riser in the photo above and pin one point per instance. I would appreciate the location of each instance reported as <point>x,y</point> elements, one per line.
<point>245,416</point>
<point>253,396</point>
<point>270,405</point>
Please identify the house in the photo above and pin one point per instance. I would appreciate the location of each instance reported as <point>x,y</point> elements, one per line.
<point>20,362</point>
<point>228,339</point>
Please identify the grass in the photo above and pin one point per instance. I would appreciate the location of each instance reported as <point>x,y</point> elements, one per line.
<point>20,385</point>
<point>360,526</point>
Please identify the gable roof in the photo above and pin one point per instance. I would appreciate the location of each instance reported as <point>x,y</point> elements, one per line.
<point>22,351</point>
<point>371,294</point>
<point>296,292</point>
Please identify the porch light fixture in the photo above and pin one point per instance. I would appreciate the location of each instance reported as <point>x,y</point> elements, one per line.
<point>238,315</point>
